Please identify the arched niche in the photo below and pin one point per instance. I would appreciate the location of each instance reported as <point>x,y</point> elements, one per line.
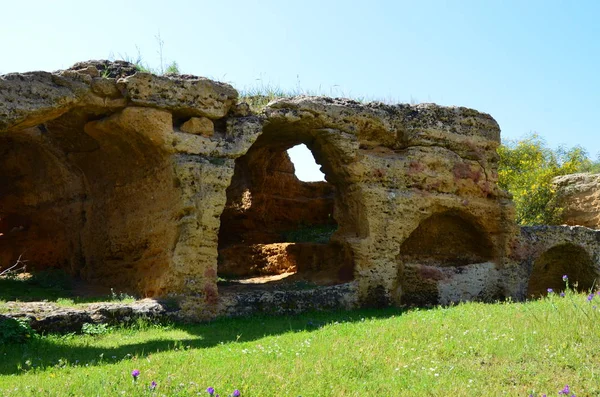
<point>41,204</point>
<point>564,259</point>
<point>450,238</point>
<point>92,194</point>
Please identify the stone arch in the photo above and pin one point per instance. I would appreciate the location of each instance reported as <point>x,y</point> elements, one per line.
<point>450,238</point>
<point>265,198</point>
<point>41,204</point>
<point>562,259</point>
<point>447,257</point>
<point>92,193</point>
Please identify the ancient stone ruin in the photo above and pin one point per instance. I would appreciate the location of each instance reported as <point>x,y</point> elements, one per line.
<point>170,186</point>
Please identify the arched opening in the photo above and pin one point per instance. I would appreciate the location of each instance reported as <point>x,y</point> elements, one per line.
<point>447,239</point>
<point>564,259</point>
<point>276,229</point>
<point>85,193</point>
<point>441,246</point>
<point>41,204</point>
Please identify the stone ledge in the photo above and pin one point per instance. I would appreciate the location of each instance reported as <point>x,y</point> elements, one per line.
<point>46,317</point>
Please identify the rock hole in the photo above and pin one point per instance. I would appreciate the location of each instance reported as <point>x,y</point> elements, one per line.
<point>306,168</point>
<point>443,242</point>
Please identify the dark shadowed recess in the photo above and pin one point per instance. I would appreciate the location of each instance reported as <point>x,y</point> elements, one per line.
<point>564,259</point>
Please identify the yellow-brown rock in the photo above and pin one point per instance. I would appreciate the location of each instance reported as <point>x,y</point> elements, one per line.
<point>578,196</point>
<point>161,185</point>
<point>200,126</point>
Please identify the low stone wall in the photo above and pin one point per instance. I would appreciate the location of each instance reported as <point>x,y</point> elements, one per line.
<point>47,317</point>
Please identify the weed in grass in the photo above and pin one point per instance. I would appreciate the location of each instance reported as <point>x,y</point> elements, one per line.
<point>15,330</point>
<point>262,93</point>
<point>95,329</point>
<point>211,392</point>
<point>121,296</point>
<point>164,67</point>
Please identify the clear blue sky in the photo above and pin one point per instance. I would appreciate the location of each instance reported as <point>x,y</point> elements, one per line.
<point>533,65</point>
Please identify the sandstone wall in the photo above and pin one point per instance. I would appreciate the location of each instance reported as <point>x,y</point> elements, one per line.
<point>109,191</point>
<point>136,181</point>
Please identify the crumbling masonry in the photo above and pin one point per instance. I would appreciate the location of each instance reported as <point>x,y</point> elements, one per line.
<point>163,185</point>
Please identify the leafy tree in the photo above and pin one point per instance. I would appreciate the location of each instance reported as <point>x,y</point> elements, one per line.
<point>526,170</point>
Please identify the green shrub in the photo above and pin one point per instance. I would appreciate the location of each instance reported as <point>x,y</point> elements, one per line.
<point>15,330</point>
<point>526,170</point>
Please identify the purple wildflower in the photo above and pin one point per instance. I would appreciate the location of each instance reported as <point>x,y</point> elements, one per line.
<point>210,390</point>
<point>153,385</point>
<point>135,373</point>
<point>550,290</point>
<point>562,294</point>
<point>590,297</point>
<point>565,278</point>
<point>236,393</point>
<point>566,390</point>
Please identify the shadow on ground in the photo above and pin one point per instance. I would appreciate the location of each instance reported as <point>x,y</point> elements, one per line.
<point>54,286</point>
<point>46,352</point>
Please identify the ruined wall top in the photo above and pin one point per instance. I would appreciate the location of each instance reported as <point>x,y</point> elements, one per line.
<point>29,99</point>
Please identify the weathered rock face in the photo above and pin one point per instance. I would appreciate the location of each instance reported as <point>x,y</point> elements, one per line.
<point>579,197</point>
<point>93,181</point>
<point>140,182</point>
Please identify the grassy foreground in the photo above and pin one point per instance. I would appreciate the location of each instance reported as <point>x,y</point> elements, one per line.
<point>472,349</point>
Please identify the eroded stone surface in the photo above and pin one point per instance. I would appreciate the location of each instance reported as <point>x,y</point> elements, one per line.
<point>579,197</point>
<point>183,95</point>
<point>199,125</point>
<point>102,177</point>
<point>47,317</point>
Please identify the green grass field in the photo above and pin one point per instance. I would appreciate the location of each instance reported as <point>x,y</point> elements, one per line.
<point>472,349</point>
